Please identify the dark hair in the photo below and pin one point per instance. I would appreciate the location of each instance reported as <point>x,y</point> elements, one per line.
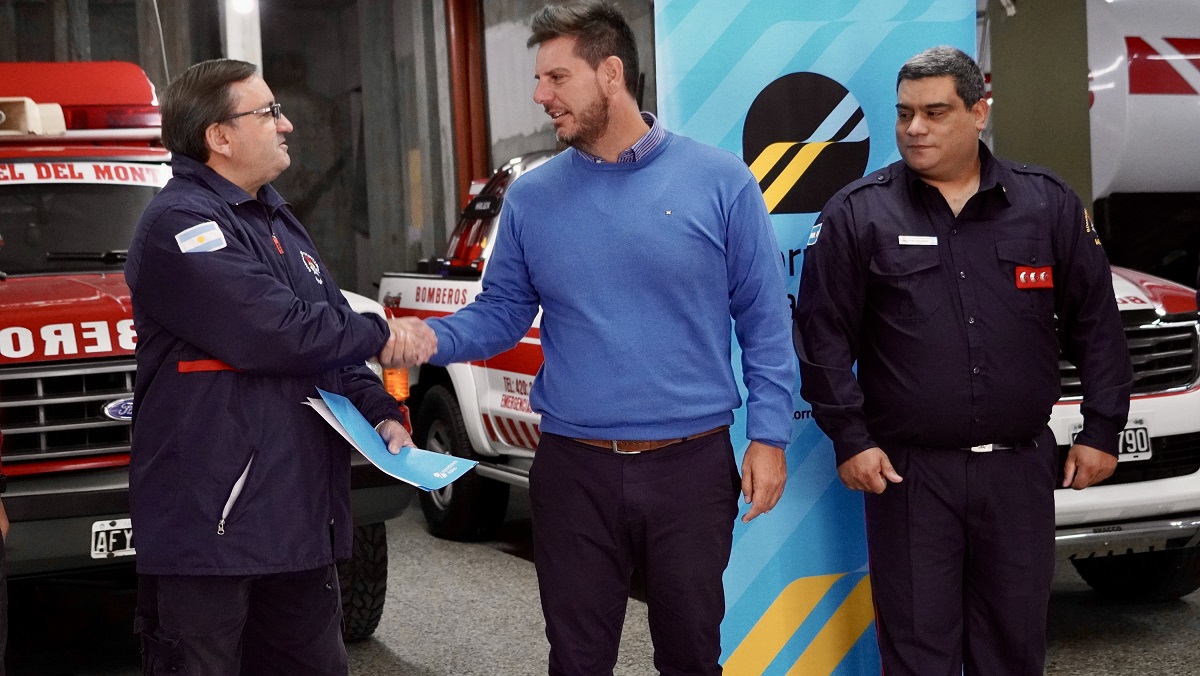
<point>599,29</point>
<point>939,61</point>
<point>196,99</point>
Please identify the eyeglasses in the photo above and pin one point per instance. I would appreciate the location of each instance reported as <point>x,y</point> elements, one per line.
<point>273,109</point>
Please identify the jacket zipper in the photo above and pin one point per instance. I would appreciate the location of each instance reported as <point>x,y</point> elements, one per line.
<point>233,496</point>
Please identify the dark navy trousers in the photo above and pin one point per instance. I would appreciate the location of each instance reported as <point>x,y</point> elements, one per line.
<point>962,559</point>
<point>598,514</point>
<point>284,624</point>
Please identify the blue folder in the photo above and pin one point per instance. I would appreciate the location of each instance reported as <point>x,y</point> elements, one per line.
<point>426,470</point>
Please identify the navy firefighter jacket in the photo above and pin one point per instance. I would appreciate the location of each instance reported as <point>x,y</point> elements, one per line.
<point>238,323</point>
<point>957,322</point>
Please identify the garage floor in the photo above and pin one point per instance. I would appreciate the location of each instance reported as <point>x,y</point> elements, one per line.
<point>472,610</point>
<point>459,610</point>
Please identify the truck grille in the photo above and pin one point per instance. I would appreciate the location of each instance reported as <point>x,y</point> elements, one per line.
<point>50,412</point>
<point>1165,357</point>
<point>1171,456</point>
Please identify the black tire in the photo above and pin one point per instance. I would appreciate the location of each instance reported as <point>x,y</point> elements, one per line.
<point>1146,576</point>
<point>472,508</point>
<point>364,582</point>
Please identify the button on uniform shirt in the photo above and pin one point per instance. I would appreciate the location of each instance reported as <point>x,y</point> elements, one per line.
<point>956,323</point>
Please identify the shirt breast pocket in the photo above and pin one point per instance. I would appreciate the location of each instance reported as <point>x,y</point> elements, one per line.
<point>905,283</point>
<point>1028,255</point>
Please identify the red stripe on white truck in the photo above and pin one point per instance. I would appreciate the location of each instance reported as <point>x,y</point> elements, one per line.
<point>533,436</point>
<point>1151,73</point>
<point>525,359</point>
<point>487,422</point>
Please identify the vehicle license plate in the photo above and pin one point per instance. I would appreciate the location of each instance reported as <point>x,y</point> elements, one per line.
<point>112,538</point>
<point>1134,444</point>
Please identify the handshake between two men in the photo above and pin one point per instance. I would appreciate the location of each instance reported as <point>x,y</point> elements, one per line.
<point>412,343</point>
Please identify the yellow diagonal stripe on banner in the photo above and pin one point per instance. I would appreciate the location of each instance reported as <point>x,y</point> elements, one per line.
<point>839,634</point>
<point>777,625</point>
<point>792,173</point>
<point>768,158</point>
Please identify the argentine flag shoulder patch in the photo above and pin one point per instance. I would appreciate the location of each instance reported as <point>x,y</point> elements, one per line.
<point>206,236</point>
<point>814,234</point>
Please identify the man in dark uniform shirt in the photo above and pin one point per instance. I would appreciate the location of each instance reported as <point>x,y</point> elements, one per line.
<point>953,278</point>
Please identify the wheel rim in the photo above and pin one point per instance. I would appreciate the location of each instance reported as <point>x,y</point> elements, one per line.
<point>438,441</point>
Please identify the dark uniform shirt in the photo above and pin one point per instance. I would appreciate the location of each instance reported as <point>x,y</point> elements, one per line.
<point>955,347</point>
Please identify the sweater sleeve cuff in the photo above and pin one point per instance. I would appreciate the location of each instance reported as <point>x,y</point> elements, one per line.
<point>774,443</point>
<point>445,344</point>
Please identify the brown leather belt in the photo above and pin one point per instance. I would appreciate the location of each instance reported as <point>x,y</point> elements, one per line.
<point>632,447</point>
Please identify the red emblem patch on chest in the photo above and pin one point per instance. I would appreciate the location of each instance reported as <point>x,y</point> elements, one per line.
<point>1034,278</point>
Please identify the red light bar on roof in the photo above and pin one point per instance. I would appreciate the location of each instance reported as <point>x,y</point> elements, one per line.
<point>111,117</point>
<point>93,95</point>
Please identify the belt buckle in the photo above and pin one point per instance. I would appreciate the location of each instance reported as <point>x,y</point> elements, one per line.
<point>618,451</point>
<point>982,448</point>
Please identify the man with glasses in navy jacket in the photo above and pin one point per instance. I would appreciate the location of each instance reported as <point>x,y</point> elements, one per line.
<point>240,496</point>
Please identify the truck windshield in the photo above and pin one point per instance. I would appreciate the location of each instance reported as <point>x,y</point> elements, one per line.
<point>68,227</point>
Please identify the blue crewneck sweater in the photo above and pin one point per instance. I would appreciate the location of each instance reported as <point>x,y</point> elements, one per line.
<point>640,268</point>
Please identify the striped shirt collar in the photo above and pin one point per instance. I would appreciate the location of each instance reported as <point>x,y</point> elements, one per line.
<point>638,150</point>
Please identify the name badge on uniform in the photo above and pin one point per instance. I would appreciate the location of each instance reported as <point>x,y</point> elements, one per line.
<point>1034,278</point>
<point>917,240</point>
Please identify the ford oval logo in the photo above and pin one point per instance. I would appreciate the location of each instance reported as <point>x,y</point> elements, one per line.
<point>121,409</point>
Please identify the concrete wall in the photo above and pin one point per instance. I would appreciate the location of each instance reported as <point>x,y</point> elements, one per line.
<point>1039,88</point>
<point>107,30</point>
<point>310,61</point>
<point>360,82</point>
<point>409,157</point>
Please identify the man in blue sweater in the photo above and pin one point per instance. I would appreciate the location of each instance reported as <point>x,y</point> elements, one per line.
<point>640,246</point>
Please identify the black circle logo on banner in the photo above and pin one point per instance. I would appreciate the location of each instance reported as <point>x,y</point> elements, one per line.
<point>805,138</point>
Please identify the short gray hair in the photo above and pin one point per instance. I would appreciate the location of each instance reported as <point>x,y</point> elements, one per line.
<point>196,99</point>
<point>939,61</point>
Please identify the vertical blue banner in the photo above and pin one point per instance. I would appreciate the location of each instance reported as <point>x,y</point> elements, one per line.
<point>804,91</point>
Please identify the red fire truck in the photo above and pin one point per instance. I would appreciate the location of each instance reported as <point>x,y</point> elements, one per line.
<point>79,161</point>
